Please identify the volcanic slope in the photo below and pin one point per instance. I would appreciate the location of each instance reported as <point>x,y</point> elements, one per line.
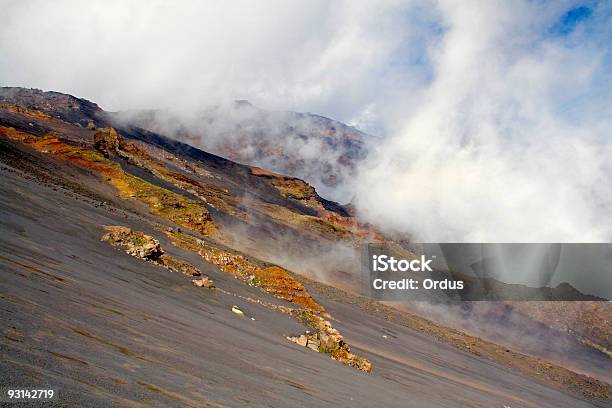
<point>110,328</point>
<point>320,150</point>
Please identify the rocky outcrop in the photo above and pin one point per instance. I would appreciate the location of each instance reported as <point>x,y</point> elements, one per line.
<point>106,141</point>
<point>333,345</point>
<point>109,142</point>
<point>177,265</point>
<point>143,246</point>
<point>325,339</point>
<point>289,187</point>
<point>204,282</point>
<point>134,243</point>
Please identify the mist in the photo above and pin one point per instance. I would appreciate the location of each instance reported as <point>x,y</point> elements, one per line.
<point>322,151</point>
<point>493,118</point>
<point>512,139</point>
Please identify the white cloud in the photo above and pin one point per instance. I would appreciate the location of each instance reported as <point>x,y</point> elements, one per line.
<point>497,129</point>
<point>305,55</point>
<point>488,156</point>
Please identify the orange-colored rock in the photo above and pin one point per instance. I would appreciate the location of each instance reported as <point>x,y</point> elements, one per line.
<point>106,141</point>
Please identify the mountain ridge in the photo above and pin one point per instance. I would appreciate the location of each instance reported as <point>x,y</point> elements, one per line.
<point>251,139</point>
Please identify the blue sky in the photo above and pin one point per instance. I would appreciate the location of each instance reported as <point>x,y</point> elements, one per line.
<point>569,20</point>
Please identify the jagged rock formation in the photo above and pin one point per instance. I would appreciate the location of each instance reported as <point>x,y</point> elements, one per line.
<point>143,246</point>
<point>106,141</point>
<point>136,244</point>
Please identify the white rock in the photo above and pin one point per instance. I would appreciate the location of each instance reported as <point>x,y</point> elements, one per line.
<point>237,311</point>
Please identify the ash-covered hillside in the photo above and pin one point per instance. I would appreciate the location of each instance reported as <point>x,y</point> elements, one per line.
<point>138,269</point>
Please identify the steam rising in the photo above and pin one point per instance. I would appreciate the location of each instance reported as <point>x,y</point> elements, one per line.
<point>495,115</point>
<point>510,143</point>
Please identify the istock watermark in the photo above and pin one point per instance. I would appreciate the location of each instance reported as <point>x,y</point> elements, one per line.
<point>487,271</point>
<point>382,263</point>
